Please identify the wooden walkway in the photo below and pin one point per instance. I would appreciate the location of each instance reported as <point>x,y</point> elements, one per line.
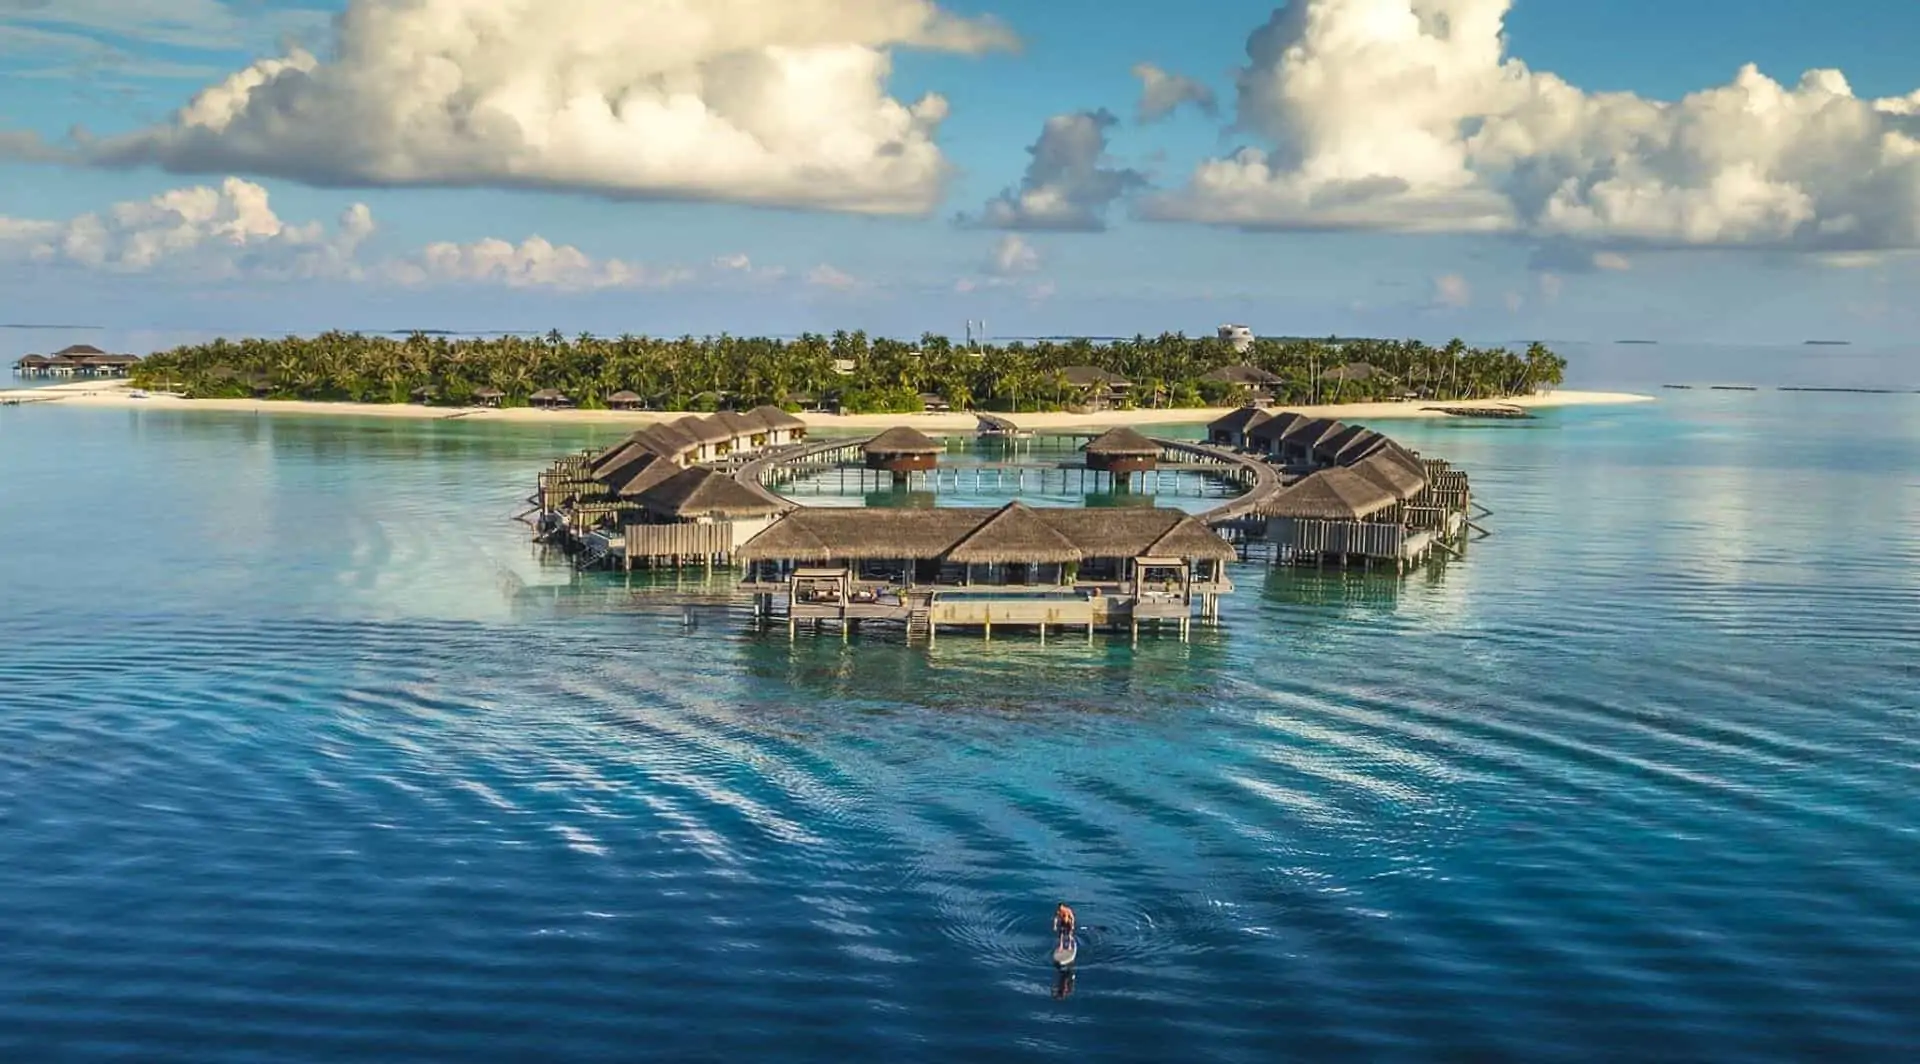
<point>1261,480</point>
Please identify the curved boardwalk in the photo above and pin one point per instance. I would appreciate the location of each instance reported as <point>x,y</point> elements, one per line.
<point>754,474</point>
<point>1262,480</point>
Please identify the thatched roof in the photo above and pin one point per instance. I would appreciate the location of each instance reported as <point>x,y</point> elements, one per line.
<point>775,418</point>
<point>1400,456</point>
<point>1330,495</point>
<point>1331,446</point>
<point>1242,420</point>
<point>1310,433</point>
<point>630,479</point>
<point>903,440</point>
<point>705,493</point>
<point>1404,483</point>
<point>703,430</point>
<point>1276,426</point>
<point>1245,376</point>
<point>1090,376</point>
<point>33,360</point>
<point>1015,533</point>
<point>624,397</point>
<point>1191,538</point>
<point>548,394</point>
<point>1362,447</point>
<point>737,424</point>
<point>488,393</point>
<point>1123,442</point>
<point>668,438</point>
<point>1353,371</point>
<point>78,351</point>
<point>857,533</point>
<point>819,535</point>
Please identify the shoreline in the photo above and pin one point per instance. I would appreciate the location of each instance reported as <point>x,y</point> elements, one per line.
<point>119,395</point>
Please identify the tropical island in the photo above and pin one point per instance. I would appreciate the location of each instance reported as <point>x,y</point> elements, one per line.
<point>847,372</point>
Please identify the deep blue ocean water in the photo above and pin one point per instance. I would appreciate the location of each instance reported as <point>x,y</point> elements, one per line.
<point>306,754</point>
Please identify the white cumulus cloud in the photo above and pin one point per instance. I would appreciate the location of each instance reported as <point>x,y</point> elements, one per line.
<point>209,232</point>
<point>1066,186</point>
<point>1162,93</point>
<point>780,102</point>
<point>1011,255</point>
<point>532,263</point>
<point>1409,115</point>
<point>231,232</point>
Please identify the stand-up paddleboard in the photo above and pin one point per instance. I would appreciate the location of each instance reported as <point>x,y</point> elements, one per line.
<point>1063,956</point>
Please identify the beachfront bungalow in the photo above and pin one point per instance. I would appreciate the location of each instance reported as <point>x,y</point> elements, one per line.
<point>935,404</point>
<point>1014,565</point>
<point>549,399</point>
<point>624,400</point>
<point>488,396</point>
<point>1250,383</point>
<point>1122,451</point>
<point>902,450</point>
<point>1096,388</point>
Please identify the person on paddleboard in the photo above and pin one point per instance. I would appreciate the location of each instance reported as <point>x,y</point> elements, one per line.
<point>1063,924</point>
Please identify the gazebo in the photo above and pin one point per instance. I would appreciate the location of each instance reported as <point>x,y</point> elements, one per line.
<point>549,399</point>
<point>488,396</point>
<point>623,400</point>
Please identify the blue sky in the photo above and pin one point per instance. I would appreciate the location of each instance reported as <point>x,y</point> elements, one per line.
<point>1465,194</point>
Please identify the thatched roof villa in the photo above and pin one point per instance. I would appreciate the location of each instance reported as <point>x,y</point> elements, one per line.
<point>549,399</point>
<point>700,494</point>
<point>78,360</point>
<point>976,567</point>
<point>901,450</point>
<point>624,400</point>
<point>1121,451</point>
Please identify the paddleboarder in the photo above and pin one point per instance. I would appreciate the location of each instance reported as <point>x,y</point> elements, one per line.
<point>1063,927</point>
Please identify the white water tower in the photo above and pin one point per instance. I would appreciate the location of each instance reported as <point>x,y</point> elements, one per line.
<point>1240,336</point>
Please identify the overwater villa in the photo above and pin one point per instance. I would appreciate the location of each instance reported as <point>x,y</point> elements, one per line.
<point>903,450</point>
<point>1016,565</point>
<point>703,491</point>
<point>79,360</point>
<point>1353,496</point>
<point>1122,452</point>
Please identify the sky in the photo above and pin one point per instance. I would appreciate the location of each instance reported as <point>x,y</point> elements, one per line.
<point>1714,171</point>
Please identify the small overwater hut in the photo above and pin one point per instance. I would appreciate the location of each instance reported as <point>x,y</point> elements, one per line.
<point>902,450</point>
<point>1122,451</point>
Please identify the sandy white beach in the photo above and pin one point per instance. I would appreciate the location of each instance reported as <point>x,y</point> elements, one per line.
<point>119,394</point>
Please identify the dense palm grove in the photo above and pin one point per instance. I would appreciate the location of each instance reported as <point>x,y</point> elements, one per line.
<point>847,370</point>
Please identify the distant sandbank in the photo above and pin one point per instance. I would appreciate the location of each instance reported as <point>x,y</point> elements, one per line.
<point>120,394</point>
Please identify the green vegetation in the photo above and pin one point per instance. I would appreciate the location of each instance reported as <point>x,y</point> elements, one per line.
<point>847,370</point>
